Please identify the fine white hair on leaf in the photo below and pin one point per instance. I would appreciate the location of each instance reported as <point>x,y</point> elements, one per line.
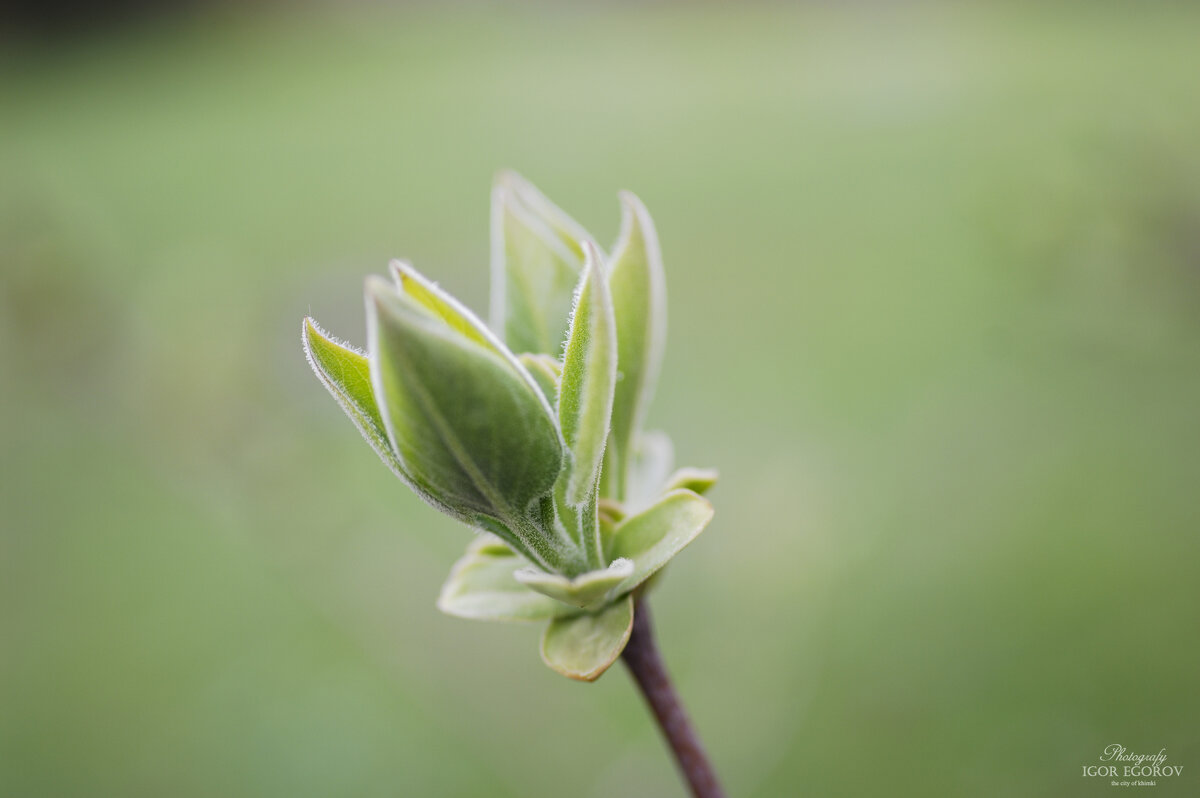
<point>403,269</point>
<point>591,262</point>
<point>327,336</point>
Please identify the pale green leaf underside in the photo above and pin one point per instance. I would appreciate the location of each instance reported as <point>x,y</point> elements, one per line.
<point>587,591</point>
<point>481,587</point>
<point>583,647</point>
<point>655,535</point>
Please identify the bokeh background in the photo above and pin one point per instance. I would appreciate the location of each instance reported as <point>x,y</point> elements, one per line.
<point>935,313</point>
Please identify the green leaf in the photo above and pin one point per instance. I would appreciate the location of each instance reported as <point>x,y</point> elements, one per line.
<point>640,304</point>
<point>481,587</point>
<point>536,260</point>
<point>568,231</point>
<point>546,372</point>
<point>655,535</point>
<point>345,372</point>
<point>466,421</point>
<point>487,543</point>
<point>446,307</point>
<point>697,480</point>
<point>583,647</point>
<point>589,375</point>
<point>586,591</point>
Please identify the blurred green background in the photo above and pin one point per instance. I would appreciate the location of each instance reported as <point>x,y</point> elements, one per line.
<point>935,313</point>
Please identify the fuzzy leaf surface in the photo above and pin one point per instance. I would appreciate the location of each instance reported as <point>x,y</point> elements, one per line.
<point>466,422</point>
<point>589,376</point>
<point>584,646</point>
<point>447,308</point>
<point>347,376</point>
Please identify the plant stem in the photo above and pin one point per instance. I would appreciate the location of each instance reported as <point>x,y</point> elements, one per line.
<point>646,665</point>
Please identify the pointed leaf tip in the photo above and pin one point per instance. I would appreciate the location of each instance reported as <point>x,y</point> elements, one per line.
<point>537,254</point>
<point>345,373</point>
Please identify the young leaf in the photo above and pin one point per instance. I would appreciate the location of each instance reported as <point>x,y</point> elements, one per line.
<point>467,423</point>
<point>584,646</point>
<point>347,376</point>
<point>589,375</point>
<point>586,591</point>
<point>446,307</point>
<point>481,587</point>
<point>652,537</point>
<point>489,544</point>
<point>697,480</point>
<point>640,305</point>
<point>535,266</point>
<point>568,231</point>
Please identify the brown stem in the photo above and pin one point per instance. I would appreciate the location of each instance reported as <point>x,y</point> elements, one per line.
<point>645,663</point>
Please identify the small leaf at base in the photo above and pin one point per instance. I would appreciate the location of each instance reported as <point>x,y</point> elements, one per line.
<point>585,646</point>
<point>481,587</point>
<point>652,537</point>
<point>586,591</point>
<point>697,480</point>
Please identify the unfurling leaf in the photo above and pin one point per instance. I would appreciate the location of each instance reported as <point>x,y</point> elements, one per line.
<point>587,591</point>
<point>465,420</point>
<point>582,647</point>
<point>537,254</point>
<point>640,306</point>
<point>531,431</point>
<point>655,535</point>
